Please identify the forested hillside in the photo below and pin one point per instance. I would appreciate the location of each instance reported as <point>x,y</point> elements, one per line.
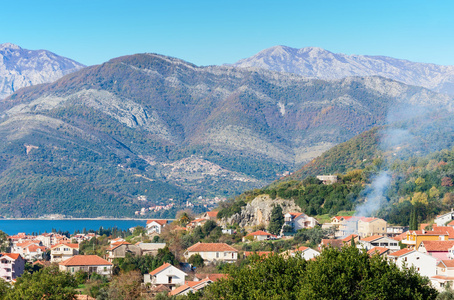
<point>149,125</point>
<point>421,179</point>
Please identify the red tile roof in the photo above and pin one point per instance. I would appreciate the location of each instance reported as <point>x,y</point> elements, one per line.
<point>448,263</point>
<point>260,232</point>
<point>211,247</point>
<point>437,246</point>
<point>160,222</point>
<point>401,236</point>
<point>11,255</point>
<point>74,246</point>
<point>34,248</point>
<point>344,217</point>
<point>212,277</point>
<point>350,237</point>
<point>401,252</point>
<point>116,245</point>
<point>295,214</point>
<point>260,253</point>
<point>448,278</point>
<point>157,270</point>
<point>372,238</point>
<point>451,223</point>
<point>179,290</point>
<point>85,260</point>
<point>377,250</point>
<point>302,248</point>
<point>212,214</point>
<point>335,243</point>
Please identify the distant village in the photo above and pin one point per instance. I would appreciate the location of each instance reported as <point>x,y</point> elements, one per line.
<point>430,250</point>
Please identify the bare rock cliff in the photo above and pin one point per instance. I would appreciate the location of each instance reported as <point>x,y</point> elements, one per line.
<point>258,211</point>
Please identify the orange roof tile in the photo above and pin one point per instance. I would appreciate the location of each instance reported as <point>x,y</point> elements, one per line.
<point>451,223</point>
<point>448,263</point>
<point>163,267</point>
<point>212,277</point>
<point>11,255</point>
<point>343,217</point>
<point>401,252</point>
<point>116,245</point>
<point>259,253</point>
<point>448,278</point>
<point>372,238</point>
<point>377,250</point>
<point>302,248</point>
<point>401,236</point>
<point>437,246</point>
<point>74,246</point>
<point>212,214</point>
<point>211,247</point>
<point>350,237</point>
<point>179,290</point>
<point>85,260</point>
<point>160,222</point>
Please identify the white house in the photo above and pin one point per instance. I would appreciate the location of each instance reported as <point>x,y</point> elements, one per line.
<point>444,274</point>
<point>155,226</point>
<point>167,275</point>
<point>424,264</point>
<point>378,241</point>
<point>299,221</point>
<point>441,220</point>
<point>212,252</point>
<point>12,265</point>
<point>259,235</point>
<point>86,263</point>
<point>305,252</point>
<point>61,252</point>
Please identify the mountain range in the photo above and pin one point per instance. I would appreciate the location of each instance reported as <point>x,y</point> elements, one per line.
<point>21,67</point>
<point>95,141</point>
<point>319,63</point>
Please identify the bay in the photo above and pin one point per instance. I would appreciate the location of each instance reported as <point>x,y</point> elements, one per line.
<point>14,226</point>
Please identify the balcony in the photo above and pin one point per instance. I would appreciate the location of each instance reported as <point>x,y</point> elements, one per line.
<point>409,242</point>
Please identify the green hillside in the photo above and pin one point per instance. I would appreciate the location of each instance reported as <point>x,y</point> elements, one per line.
<point>149,125</point>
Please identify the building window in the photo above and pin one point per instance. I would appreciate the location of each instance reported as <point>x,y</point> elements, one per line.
<point>217,254</point>
<point>170,279</point>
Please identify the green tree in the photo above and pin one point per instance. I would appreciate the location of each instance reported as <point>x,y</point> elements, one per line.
<point>276,220</point>
<point>196,260</point>
<point>348,273</point>
<point>351,273</point>
<point>48,283</point>
<point>273,277</point>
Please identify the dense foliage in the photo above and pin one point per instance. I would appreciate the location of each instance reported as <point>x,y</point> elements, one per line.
<point>47,283</point>
<point>336,274</point>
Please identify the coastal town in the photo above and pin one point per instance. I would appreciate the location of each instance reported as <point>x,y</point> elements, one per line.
<point>429,250</point>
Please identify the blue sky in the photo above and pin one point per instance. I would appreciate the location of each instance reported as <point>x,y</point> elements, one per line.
<point>217,32</point>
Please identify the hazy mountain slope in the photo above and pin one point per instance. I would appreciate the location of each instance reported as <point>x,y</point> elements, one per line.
<point>152,125</point>
<point>21,67</point>
<point>319,63</point>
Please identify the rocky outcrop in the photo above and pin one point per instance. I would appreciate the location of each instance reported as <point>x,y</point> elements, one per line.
<point>258,211</point>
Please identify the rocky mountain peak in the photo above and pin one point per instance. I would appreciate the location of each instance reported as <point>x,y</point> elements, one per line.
<point>9,46</point>
<point>322,64</point>
<point>21,67</point>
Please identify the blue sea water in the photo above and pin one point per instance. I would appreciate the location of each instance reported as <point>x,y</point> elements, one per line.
<point>12,227</point>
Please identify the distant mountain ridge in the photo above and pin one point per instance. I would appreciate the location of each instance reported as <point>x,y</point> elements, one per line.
<point>147,124</point>
<point>21,67</point>
<point>316,62</point>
